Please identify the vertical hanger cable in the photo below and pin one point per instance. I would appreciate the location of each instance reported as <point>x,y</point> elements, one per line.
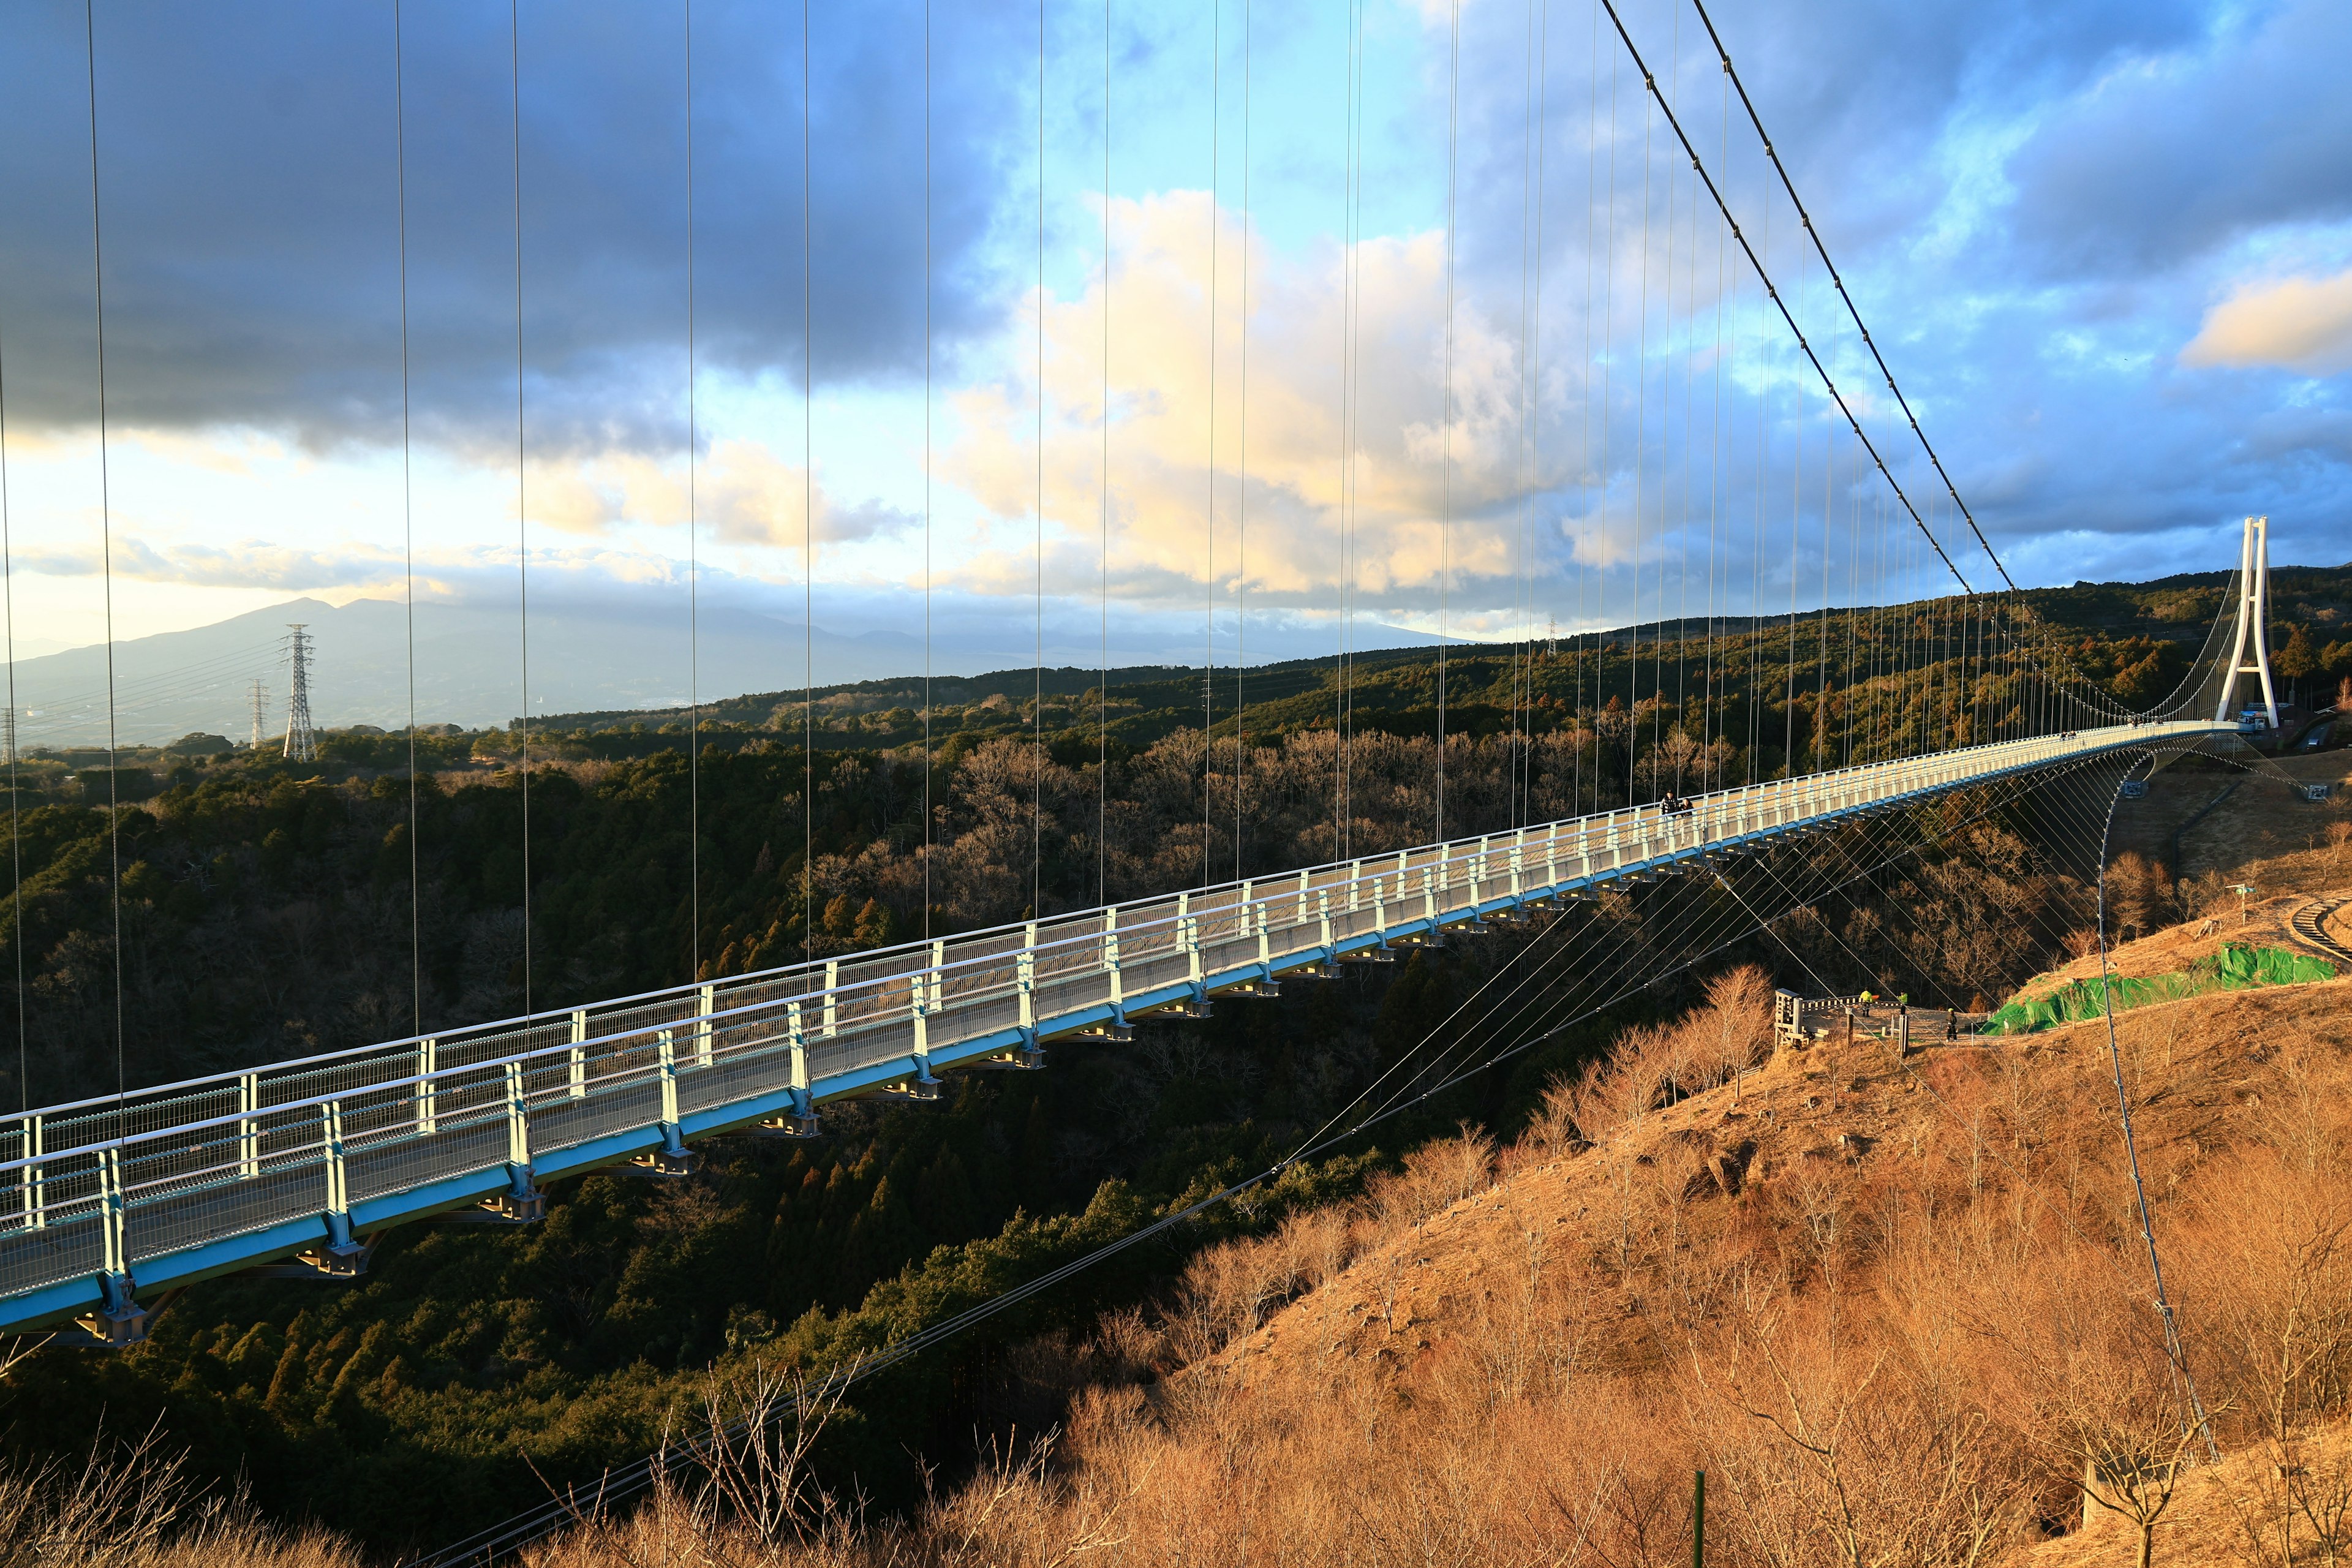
<point>926,469</point>
<point>15,833</point>
<point>1240,489</point>
<point>522,506</point>
<point>1102,679</point>
<point>1535,386</point>
<point>1641,465</point>
<point>1209,533</point>
<point>106,550</point>
<point>808,526</point>
<point>1603,471</point>
<point>1037,663</point>
<point>693,551</point>
<point>407,517</point>
<point>1445,439</point>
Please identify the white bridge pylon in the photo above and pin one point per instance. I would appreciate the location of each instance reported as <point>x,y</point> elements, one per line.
<point>107,1198</point>
<point>2252,613</point>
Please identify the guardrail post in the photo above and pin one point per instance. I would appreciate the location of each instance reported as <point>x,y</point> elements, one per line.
<point>517,1121</point>
<point>1518,861</point>
<point>1306,881</point>
<point>28,1177</point>
<point>523,1201</point>
<point>1356,886</point>
<point>793,1032</point>
<point>114,1244</point>
<point>1188,933</point>
<point>832,1001</point>
<point>248,1127</point>
<point>429,1053</point>
<point>1110,956</point>
<point>579,1054</point>
<point>119,1319</point>
<point>939,976</point>
<point>669,1085</point>
<point>1024,968</point>
<point>708,1003</point>
<point>673,1158</point>
<point>339,1182</point>
<point>917,995</point>
<point>1324,910</point>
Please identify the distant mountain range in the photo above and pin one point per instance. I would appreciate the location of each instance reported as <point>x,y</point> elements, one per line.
<point>584,657</point>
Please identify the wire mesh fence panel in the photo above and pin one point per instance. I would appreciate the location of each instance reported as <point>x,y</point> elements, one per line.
<point>1153,973</point>
<point>158,1224</point>
<point>560,1121</point>
<point>868,1048</point>
<point>746,1073</point>
<point>475,1143</point>
<point>70,1246</point>
<point>156,1166</point>
<point>975,1019</point>
<point>1080,992</point>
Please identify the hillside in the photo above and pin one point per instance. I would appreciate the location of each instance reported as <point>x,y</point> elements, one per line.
<point>1841,1277</point>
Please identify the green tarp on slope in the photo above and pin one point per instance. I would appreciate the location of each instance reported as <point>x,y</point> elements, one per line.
<point>2233,968</point>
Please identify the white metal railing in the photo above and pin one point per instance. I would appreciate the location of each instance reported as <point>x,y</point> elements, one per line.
<point>106,1187</point>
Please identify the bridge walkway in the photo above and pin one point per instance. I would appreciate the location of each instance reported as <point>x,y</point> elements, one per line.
<point>108,1198</point>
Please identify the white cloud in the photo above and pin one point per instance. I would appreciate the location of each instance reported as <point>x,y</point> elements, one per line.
<point>1278,417</point>
<point>744,493</point>
<point>2296,323</point>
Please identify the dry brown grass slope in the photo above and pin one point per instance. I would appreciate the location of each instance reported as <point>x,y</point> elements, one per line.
<point>1899,1312</point>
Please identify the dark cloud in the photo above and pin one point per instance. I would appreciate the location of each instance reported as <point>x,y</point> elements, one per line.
<point>2180,155</point>
<point>250,206</point>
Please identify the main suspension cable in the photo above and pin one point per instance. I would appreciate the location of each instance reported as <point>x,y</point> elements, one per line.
<point>1828,382</point>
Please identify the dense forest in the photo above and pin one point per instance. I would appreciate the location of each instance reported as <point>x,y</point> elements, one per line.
<point>268,908</point>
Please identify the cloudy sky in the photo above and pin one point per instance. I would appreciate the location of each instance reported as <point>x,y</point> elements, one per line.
<point>2107,248</point>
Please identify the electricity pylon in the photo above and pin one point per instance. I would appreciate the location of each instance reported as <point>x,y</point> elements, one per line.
<point>302,741</point>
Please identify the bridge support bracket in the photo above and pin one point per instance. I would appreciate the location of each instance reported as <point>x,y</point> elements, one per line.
<point>1252,988</point>
<point>521,1204</point>
<point>345,1259</point>
<point>798,1123</point>
<point>922,1089</point>
<point>1368,955</point>
<point>1026,1056</point>
<point>672,1161</point>
<point>120,1320</point>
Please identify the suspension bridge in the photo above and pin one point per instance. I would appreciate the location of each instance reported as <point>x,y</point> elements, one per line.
<point>297,1167</point>
<point>310,1159</point>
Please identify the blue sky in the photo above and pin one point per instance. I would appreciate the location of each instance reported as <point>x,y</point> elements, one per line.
<point>2107,247</point>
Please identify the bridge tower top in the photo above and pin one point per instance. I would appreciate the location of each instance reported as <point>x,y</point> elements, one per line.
<point>2253,611</point>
